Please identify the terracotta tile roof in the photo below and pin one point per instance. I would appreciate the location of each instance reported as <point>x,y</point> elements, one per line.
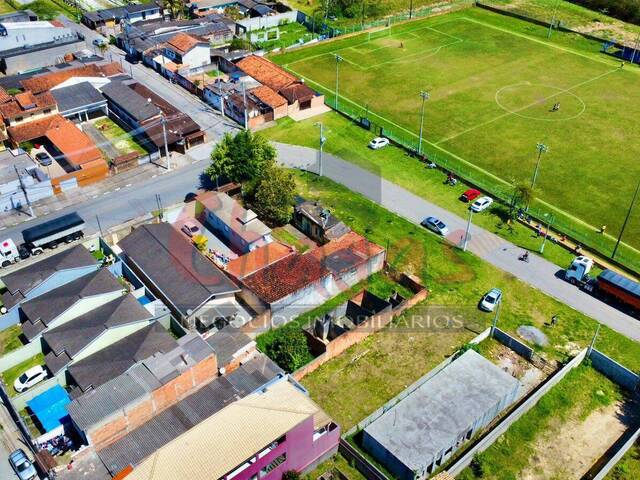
<point>4,96</point>
<point>268,96</point>
<point>266,72</point>
<point>42,83</point>
<point>347,252</point>
<point>183,42</point>
<point>57,23</point>
<point>285,277</point>
<point>297,92</point>
<point>258,259</point>
<point>21,103</point>
<point>77,148</point>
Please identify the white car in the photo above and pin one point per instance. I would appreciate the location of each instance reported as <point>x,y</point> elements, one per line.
<point>378,142</point>
<point>30,378</point>
<point>190,229</point>
<point>435,225</point>
<point>481,204</point>
<point>491,299</point>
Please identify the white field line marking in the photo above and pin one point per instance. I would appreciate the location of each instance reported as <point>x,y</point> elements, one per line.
<point>117,189</point>
<point>127,185</point>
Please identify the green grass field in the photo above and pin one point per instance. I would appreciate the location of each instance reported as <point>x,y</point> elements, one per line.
<point>493,81</point>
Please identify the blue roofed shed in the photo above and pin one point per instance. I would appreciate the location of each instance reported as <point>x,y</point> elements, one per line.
<point>50,407</point>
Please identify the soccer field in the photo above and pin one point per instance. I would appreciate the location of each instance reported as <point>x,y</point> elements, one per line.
<point>493,81</point>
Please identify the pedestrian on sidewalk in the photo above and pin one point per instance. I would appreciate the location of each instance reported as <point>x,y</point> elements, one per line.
<point>603,229</point>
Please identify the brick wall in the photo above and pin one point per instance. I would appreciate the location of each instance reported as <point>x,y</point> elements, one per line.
<point>132,416</point>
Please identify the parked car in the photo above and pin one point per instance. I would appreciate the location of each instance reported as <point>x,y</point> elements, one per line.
<point>99,42</point>
<point>491,299</point>
<point>44,159</point>
<point>190,229</point>
<point>30,378</point>
<point>378,142</point>
<point>481,204</point>
<point>22,465</point>
<point>470,195</point>
<point>435,225</point>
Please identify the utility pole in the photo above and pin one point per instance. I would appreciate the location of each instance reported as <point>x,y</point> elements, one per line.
<point>362,16</point>
<point>541,148</point>
<point>466,233</point>
<point>24,191</point>
<point>322,142</point>
<point>410,9</point>
<point>553,19</point>
<point>425,96</point>
<point>546,233</point>
<point>338,60</point>
<point>244,99</point>
<point>164,134</point>
<point>494,325</point>
<point>626,219</point>
<point>635,50</point>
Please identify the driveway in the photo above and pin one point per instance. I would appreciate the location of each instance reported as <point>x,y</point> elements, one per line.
<point>538,272</point>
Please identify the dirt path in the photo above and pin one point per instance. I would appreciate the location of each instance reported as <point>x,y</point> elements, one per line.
<point>568,449</point>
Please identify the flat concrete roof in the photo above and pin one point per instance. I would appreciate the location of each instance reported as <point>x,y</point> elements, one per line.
<point>444,407</point>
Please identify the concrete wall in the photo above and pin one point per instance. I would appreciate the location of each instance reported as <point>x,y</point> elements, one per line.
<point>20,355</point>
<point>270,21</point>
<point>616,372</point>
<point>618,455</point>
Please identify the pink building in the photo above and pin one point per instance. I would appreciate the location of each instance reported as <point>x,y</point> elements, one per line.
<point>260,436</point>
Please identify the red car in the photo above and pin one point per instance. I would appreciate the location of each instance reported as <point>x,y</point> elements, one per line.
<point>470,195</point>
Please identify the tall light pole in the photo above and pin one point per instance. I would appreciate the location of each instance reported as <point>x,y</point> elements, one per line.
<point>635,50</point>
<point>338,60</point>
<point>322,142</point>
<point>466,233</point>
<point>410,9</point>
<point>541,148</point>
<point>550,219</point>
<point>626,219</point>
<point>553,18</point>
<point>425,96</point>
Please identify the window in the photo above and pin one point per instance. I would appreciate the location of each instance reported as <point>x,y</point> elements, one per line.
<point>46,110</point>
<point>279,460</point>
<point>18,119</point>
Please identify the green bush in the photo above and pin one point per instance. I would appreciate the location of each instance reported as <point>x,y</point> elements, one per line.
<point>289,350</point>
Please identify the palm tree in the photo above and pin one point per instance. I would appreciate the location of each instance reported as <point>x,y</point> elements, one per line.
<point>175,7</point>
<point>523,194</point>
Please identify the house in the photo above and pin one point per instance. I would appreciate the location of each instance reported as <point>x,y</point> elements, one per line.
<point>289,287</point>
<point>56,76</point>
<point>241,228</point>
<point>202,8</point>
<point>276,429</point>
<point>47,274</point>
<point>132,13</point>
<point>422,431</point>
<point>188,50</point>
<point>255,260</point>
<point>350,258</point>
<point>317,222</point>
<point>144,112</point>
<point>196,291</point>
<point>19,16</point>
<point>152,384</point>
<point>28,107</point>
<point>80,101</point>
<point>144,440</point>
<point>61,304</point>
<point>29,178</point>
<point>90,332</point>
<point>35,44</point>
<point>110,362</point>
<point>232,347</point>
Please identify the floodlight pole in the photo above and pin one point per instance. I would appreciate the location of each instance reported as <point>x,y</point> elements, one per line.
<point>553,18</point>
<point>410,9</point>
<point>546,233</point>
<point>322,142</point>
<point>425,96</point>
<point>626,219</point>
<point>541,148</point>
<point>338,60</point>
<point>466,233</point>
<point>635,50</point>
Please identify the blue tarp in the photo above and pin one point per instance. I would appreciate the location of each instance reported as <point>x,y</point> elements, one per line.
<point>50,407</point>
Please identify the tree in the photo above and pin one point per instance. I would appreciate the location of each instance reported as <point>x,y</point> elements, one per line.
<point>523,194</point>
<point>175,7</point>
<point>244,157</point>
<point>200,241</point>
<point>289,349</point>
<point>291,475</point>
<point>233,13</point>
<point>103,47</point>
<point>273,196</point>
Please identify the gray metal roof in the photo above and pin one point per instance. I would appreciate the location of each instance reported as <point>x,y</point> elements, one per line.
<point>72,337</point>
<point>42,310</point>
<point>133,103</point>
<point>442,410</point>
<point>629,286</point>
<point>22,281</point>
<point>175,266</point>
<point>197,407</point>
<point>77,96</point>
<point>117,358</point>
<point>227,342</point>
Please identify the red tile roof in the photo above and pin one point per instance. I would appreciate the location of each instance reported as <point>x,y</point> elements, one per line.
<point>285,277</point>
<point>348,251</point>
<point>20,104</point>
<point>258,259</point>
<point>297,92</point>
<point>4,96</point>
<point>42,83</point>
<point>268,96</point>
<point>266,72</point>
<point>30,130</point>
<point>183,42</point>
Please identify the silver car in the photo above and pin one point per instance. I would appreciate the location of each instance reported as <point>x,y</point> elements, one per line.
<point>22,465</point>
<point>491,299</point>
